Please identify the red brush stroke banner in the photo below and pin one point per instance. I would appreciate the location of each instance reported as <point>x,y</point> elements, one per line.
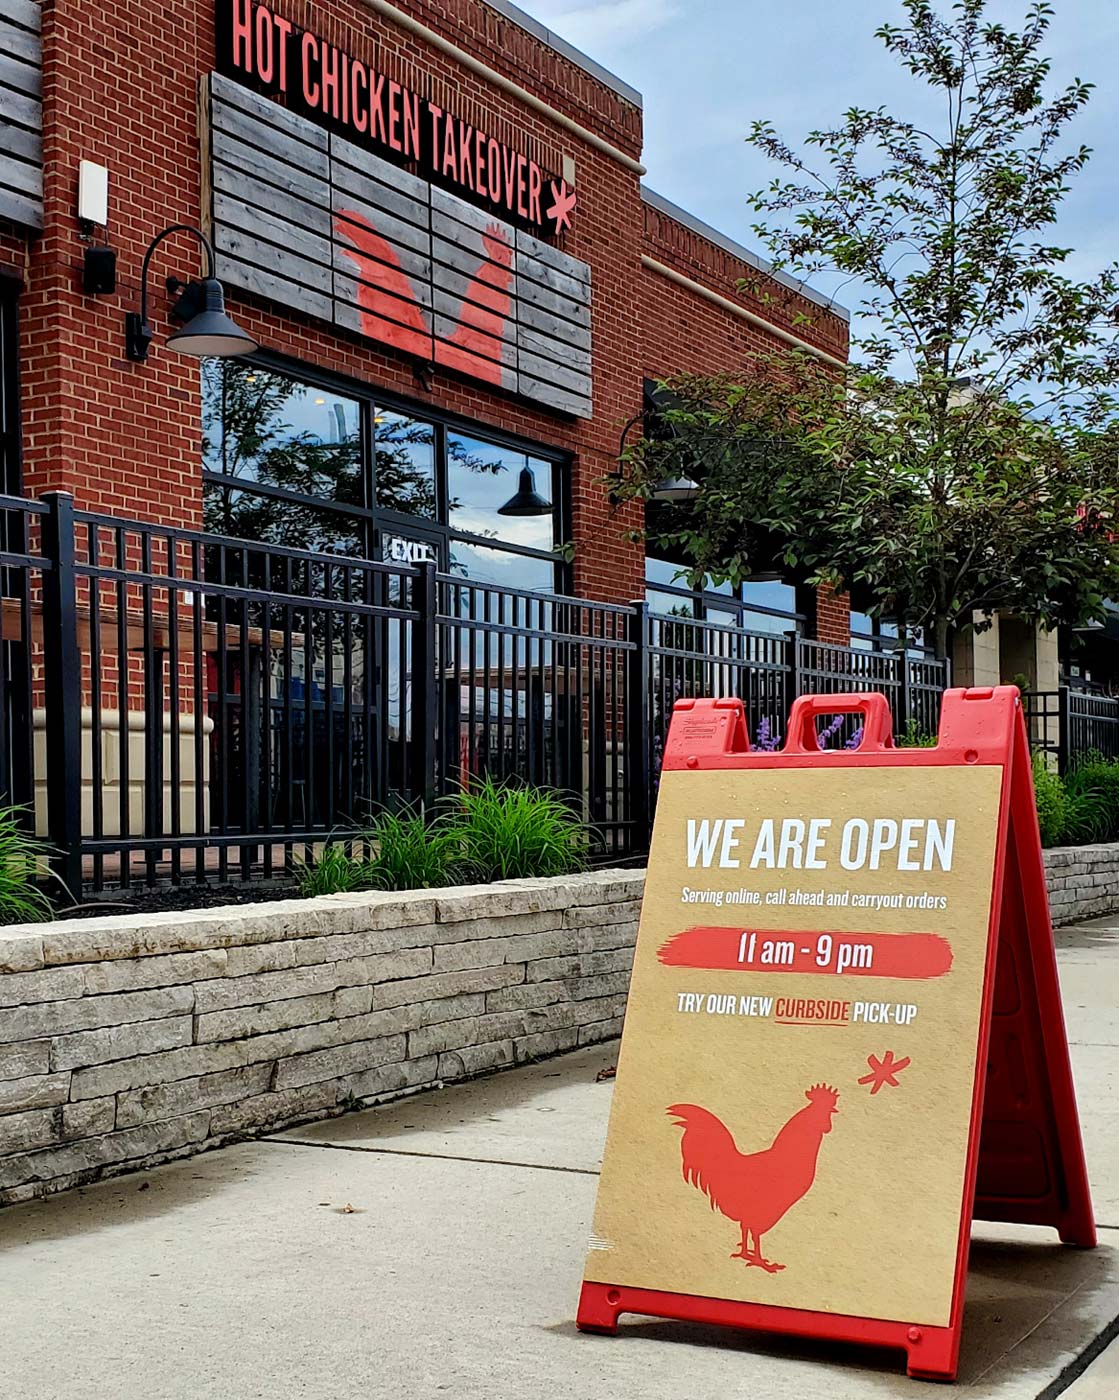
<point>916,956</point>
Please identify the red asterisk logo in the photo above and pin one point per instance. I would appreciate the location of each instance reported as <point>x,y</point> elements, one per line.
<point>563,205</point>
<point>884,1071</point>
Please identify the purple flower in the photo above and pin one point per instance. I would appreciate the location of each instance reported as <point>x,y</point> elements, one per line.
<point>828,733</point>
<point>764,737</point>
<point>855,740</point>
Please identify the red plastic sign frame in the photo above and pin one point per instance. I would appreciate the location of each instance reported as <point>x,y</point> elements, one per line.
<point>1025,1158</point>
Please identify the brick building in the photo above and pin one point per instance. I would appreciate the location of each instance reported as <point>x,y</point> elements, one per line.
<point>450,292</point>
<point>431,219</point>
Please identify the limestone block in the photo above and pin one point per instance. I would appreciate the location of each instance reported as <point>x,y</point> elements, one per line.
<point>85,1013</point>
<point>476,1059</point>
<point>34,1091</point>
<point>20,952</point>
<point>582,965</point>
<point>601,1030</point>
<point>273,1110</point>
<point>242,1021</point>
<point>339,1061</point>
<point>20,1061</point>
<point>525,995</point>
<point>95,1152</point>
<point>596,915</point>
<point>305,981</point>
<point>182,1095</point>
<point>391,1079</point>
<point>261,957</point>
<point>19,1132</point>
<point>88,1119</point>
<point>51,984</point>
<point>134,974</point>
<point>536,1046</point>
<point>445,984</point>
<point>119,1042</point>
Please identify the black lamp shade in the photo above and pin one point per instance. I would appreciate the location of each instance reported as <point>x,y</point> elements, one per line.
<point>527,501</point>
<point>212,331</point>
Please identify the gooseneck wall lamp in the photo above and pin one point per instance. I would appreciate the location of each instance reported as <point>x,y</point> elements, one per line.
<point>205,328</point>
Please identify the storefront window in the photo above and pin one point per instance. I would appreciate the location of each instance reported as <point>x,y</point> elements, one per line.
<point>404,465</point>
<point>295,463</point>
<point>270,430</point>
<point>755,607</point>
<point>274,520</point>
<point>481,478</point>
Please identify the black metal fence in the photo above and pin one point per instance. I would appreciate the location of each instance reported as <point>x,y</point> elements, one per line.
<point>179,707</point>
<point>1070,723</point>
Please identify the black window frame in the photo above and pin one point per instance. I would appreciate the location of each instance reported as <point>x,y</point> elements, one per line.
<point>735,606</point>
<point>380,520</point>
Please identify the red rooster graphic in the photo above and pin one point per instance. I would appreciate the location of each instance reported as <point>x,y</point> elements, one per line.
<point>755,1189</point>
<point>390,312</point>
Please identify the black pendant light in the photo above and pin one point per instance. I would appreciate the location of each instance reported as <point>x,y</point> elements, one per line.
<point>675,489</point>
<point>527,501</point>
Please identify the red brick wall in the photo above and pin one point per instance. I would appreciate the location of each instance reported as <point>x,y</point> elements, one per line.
<point>120,88</point>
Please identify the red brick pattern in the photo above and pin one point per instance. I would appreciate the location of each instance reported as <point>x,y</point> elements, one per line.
<point>120,87</point>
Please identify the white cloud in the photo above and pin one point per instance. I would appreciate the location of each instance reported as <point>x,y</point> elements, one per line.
<point>592,27</point>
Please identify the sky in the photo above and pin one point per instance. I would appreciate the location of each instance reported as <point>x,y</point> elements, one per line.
<point>708,68</point>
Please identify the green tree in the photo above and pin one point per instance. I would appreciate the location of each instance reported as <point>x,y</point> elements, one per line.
<point>966,460</point>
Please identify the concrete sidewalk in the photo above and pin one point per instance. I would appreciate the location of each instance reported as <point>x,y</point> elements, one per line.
<point>434,1247</point>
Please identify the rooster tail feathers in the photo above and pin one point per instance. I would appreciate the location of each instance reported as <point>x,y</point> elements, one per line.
<point>707,1150</point>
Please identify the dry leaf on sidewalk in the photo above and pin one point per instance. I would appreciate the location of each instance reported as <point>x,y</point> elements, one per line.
<point>606,1074</point>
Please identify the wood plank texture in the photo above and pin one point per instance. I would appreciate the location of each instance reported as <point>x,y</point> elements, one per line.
<point>308,219</point>
<point>21,114</point>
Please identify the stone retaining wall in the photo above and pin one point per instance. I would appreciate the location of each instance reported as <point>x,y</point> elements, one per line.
<point>1083,882</point>
<point>132,1040</point>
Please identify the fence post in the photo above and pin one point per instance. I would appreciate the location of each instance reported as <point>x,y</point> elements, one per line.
<point>792,675</point>
<point>425,681</point>
<point>1064,728</point>
<point>638,686</point>
<point>903,708</point>
<point>62,688</point>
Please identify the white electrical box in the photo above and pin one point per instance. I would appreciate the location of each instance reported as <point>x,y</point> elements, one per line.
<point>93,193</point>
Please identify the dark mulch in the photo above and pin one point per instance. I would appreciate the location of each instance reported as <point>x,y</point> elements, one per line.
<point>173,897</point>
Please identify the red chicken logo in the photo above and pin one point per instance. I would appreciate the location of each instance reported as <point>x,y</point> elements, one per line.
<point>754,1189</point>
<point>391,313</point>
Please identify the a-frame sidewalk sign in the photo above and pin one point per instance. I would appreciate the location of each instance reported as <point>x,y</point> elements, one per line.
<point>844,1037</point>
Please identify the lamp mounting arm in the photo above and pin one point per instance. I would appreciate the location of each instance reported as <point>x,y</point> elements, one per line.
<point>207,246</point>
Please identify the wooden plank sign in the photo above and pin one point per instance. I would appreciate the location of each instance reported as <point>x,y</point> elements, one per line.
<point>305,218</point>
<point>844,1035</point>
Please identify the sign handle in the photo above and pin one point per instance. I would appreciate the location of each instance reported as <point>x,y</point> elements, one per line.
<point>878,722</point>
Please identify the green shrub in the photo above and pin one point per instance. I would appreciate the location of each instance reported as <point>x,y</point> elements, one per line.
<point>514,832</point>
<point>23,860</point>
<point>335,871</point>
<point>1052,802</point>
<point>413,854</point>
<point>1092,785</point>
<point>913,738</point>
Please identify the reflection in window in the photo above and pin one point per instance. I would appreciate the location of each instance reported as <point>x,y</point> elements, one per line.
<point>404,467</point>
<point>268,520</point>
<point>263,427</point>
<point>482,477</point>
<point>484,565</point>
<point>781,597</point>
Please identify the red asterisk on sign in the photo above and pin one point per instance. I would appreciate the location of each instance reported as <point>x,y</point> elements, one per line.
<point>883,1071</point>
<point>563,206</point>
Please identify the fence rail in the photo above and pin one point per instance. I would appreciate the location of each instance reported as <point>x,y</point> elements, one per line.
<point>1068,723</point>
<point>184,708</point>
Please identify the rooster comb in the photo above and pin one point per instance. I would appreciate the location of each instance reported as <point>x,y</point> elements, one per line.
<point>821,1092</point>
